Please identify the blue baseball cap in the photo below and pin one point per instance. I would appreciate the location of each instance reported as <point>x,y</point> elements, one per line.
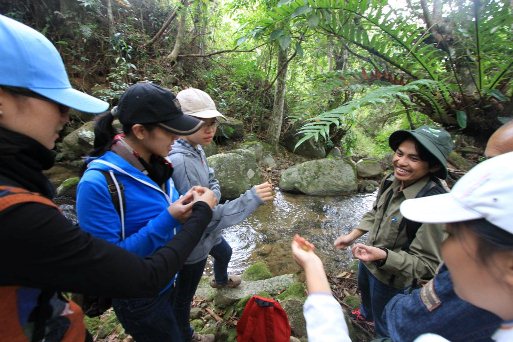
<point>29,60</point>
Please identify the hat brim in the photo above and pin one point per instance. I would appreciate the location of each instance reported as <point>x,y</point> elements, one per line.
<point>399,136</point>
<point>182,125</point>
<point>74,99</point>
<point>206,114</point>
<point>443,208</point>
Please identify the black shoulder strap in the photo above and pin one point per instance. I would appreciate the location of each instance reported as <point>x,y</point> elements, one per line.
<point>384,186</point>
<point>433,187</point>
<point>113,190</point>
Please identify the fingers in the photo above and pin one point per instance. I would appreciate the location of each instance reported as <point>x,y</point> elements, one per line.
<point>264,191</point>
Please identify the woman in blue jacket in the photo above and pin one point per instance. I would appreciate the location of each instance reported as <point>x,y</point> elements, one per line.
<point>151,212</point>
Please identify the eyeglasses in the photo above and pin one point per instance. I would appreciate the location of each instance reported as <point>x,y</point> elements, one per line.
<point>210,124</point>
<point>29,93</point>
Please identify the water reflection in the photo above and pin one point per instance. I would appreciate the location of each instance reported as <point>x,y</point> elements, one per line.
<point>319,219</point>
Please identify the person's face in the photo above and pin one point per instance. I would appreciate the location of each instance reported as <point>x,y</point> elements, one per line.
<point>206,133</point>
<point>39,119</point>
<point>473,281</point>
<point>157,141</point>
<point>408,167</point>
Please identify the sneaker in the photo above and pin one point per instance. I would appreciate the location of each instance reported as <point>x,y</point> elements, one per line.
<point>233,281</point>
<point>202,338</point>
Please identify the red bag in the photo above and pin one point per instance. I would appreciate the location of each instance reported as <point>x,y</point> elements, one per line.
<point>263,320</point>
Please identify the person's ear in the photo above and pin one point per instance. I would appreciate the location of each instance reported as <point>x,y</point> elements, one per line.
<point>139,131</point>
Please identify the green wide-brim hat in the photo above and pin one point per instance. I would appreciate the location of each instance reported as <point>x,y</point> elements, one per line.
<point>436,141</point>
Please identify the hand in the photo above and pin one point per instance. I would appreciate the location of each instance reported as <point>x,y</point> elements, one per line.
<point>203,194</point>
<point>368,253</point>
<point>181,209</point>
<point>264,191</point>
<point>344,241</point>
<point>303,252</point>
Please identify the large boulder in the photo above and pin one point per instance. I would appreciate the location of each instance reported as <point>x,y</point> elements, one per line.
<point>323,177</point>
<point>78,143</point>
<point>236,171</point>
<point>369,168</point>
<point>230,128</point>
<point>309,148</point>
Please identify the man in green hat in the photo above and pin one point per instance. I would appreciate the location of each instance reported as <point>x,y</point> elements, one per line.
<point>400,253</point>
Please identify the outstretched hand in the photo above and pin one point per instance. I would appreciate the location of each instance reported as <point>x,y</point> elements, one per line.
<point>264,191</point>
<point>368,253</point>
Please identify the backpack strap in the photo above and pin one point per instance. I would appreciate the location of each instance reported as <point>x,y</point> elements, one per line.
<point>433,187</point>
<point>117,194</point>
<point>11,195</point>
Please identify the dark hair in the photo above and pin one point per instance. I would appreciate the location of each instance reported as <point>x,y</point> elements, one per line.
<point>104,133</point>
<point>491,239</point>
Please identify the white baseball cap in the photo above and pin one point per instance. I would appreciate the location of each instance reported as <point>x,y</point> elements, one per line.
<point>197,103</point>
<point>485,192</point>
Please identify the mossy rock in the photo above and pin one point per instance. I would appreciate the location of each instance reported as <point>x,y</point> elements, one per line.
<point>105,325</point>
<point>352,301</point>
<point>241,304</point>
<point>68,186</point>
<point>257,271</point>
<point>197,324</point>
<point>296,290</point>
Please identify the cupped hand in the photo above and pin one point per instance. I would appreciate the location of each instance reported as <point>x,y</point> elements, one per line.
<point>265,191</point>
<point>303,252</point>
<point>368,253</point>
<point>206,195</point>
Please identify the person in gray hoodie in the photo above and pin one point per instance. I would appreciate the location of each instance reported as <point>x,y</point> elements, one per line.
<point>191,168</point>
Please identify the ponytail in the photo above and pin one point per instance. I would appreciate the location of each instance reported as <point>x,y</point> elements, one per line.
<point>104,134</point>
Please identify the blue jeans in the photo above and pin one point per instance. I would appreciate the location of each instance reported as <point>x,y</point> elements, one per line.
<point>407,316</point>
<point>188,280</point>
<point>148,319</point>
<point>375,295</point>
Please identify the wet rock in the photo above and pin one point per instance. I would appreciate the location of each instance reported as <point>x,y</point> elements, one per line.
<point>368,168</point>
<point>322,177</point>
<point>367,185</point>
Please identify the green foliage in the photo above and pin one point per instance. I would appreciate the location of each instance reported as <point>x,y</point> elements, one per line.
<point>295,290</point>
<point>344,116</point>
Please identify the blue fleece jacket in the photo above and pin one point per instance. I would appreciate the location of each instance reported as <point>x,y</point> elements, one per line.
<point>148,224</point>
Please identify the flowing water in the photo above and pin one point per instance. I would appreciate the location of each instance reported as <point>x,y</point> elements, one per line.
<point>266,235</point>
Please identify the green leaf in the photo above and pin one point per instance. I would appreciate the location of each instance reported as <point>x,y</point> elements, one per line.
<point>283,2</point>
<point>461,117</point>
<point>497,94</point>
<point>301,10</point>
<point>313,20</point>
<point>241,40</point>
<point>284,42</point>
<point>276,34</point>
<point>299,50</point>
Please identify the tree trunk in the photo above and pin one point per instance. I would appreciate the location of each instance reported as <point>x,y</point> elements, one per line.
<point>110,16</point>
<point>163,29</point>
<point>180,33</point>
<point>200,24</point>
<point>279,99</point>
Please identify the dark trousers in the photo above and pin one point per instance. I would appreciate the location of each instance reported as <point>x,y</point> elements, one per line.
<point>149,319</point>
<point>188,280</point>
<point>375,295</point>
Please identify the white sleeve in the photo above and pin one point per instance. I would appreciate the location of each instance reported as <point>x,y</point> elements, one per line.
<point>325,319</point>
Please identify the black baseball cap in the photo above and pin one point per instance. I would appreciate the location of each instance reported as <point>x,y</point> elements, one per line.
<point>436,141</point>
<point>145,103</point>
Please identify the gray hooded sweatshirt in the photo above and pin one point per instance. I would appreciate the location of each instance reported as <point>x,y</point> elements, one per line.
<point>190,168</point>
